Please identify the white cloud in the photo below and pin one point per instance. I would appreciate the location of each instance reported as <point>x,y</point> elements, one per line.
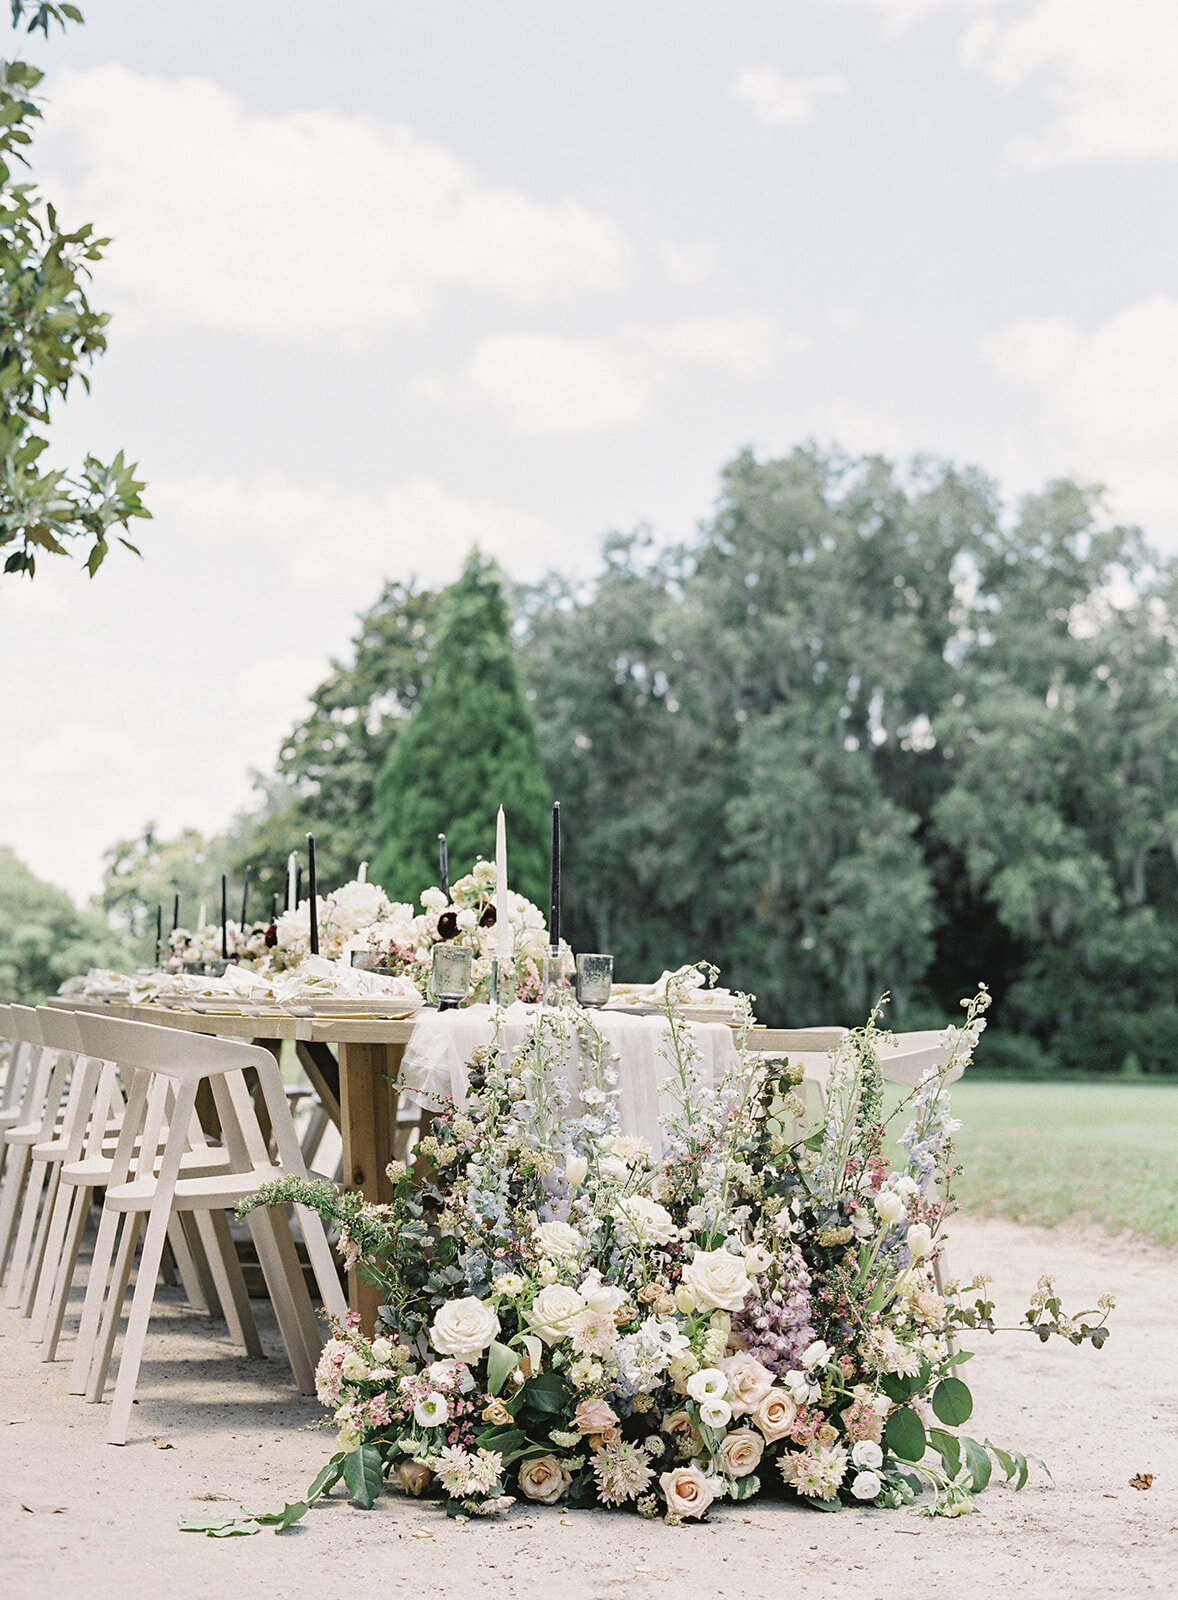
<point>301,224</point>
<point>549,385</point>
<point>778,101</point>
<point>75,750</point>
<point>1105,67</point>
<point>326,536</point>
<point>1107,400</point>
<point>688,263</point>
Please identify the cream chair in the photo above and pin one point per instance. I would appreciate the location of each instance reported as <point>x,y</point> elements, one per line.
<point>165,1068</point>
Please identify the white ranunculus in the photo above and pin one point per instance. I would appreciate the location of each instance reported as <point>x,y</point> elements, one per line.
<point>576,1169</point>
<point>464,1327</point>
<point>866,1485</point>
<point>467,920</point>
<point>889,1207</point>
<point>717,1280</point>
<point>644,1221</point>
<point>709,1383</point>
<point>434,900</point>
<point>558,1239</point>
<point>353,1367</point>
<point>866,1453</point>
<point>382,1349</point>
<point>919,1239</point>
<point>614,1167</point>
<point>552,1311</point>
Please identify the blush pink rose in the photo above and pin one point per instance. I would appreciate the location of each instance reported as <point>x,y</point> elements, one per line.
<point>688,1493</point>
<point>742,1450</point>
<point>594,1416</point>
<point>748,1382</point>
<point>775,1415</point>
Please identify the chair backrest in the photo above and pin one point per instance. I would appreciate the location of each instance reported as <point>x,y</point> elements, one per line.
<point>25,1025</point>
<point>59,1028</point>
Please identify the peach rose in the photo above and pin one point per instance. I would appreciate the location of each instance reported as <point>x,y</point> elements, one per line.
<point>748,1382</point>
<point>684,1432</point>
<point>543,1479</point>
<point>742,1450</point>
<point>594,1416</point>
<point>414,1476</point>
<point>775,1415</point>
<point>497,1414</point>
<point>688,1493</point>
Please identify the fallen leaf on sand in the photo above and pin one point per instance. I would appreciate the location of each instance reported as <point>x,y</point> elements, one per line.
<point>14,1422</point>
<point>163,1444</point>
<point>423,1533</point>
<point>1143,1480</point>
<point>43,1507</point>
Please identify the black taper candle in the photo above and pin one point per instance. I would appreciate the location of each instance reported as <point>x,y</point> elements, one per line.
<point>245,900</point>
<point>159,931</point>
<point>298,885</point>
<point>175,912</point>
<point>443,865</point>
<point>274,907</point>
<point>224,916</point>
<point>312,894</point>
<point>554,900</point>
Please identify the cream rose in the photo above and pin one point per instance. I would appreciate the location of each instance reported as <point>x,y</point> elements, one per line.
<point>543,1479</point>
<point>552,1311</point>
<point>353,1367</point>
<point>558,1239</point>
<point>688,1493</point>
<point>748,1382</point>
<point>605,1298</point>
<point>716,1280</point>
<point>775,1415</point>
<point>644,1221</point>
<point>742,1450</point>
<point>464,1327</point>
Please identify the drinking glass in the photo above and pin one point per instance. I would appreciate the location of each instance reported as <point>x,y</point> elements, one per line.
<point>595,974</point>
<point>451,974</point>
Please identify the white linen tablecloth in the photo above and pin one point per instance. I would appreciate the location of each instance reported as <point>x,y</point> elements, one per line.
<point>435,1067</point>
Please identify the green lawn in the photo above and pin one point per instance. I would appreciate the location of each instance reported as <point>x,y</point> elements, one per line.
<point>1046,1152</point>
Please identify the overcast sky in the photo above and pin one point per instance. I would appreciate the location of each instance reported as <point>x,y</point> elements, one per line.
<point>392,278</point>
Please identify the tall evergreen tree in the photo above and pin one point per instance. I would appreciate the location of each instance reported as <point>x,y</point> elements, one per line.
<point>470,748</point>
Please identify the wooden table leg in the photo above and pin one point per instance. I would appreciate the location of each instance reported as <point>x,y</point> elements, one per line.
<point>368,1111</point>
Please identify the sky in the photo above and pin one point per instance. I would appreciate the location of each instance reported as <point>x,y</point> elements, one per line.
<point>389,280</point>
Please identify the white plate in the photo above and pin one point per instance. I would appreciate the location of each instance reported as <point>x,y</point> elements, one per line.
<point>374,1005</point>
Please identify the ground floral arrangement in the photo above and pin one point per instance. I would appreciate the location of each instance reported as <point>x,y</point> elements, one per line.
<point>571,1317</point>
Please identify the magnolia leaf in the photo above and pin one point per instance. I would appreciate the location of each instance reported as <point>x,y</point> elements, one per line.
<point>952,1401</point>
<point>905,1436</point>
<point>363,1474</point>
<point>501,1363</point>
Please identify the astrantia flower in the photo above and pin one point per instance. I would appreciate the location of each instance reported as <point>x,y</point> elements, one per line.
<point>622,1473</point>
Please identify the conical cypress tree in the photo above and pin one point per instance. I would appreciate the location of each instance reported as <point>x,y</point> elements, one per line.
<point>469,749</point>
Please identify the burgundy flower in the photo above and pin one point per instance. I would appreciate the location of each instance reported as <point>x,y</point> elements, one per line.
<point>448,925</point>
<point>487,920</point>
<point>271,936</point>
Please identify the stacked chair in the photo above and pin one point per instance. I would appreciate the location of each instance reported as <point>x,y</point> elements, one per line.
<point>97,1109</point>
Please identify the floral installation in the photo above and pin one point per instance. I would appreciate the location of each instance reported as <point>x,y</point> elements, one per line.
<point>573,1318</point>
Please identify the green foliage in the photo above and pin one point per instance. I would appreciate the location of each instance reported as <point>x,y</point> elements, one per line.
<point>44,938</point>
<point>470,748</point>
<point>141,874</point>
<point>48,332</point>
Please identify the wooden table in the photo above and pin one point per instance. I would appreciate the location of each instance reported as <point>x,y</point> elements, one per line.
<point>360,1094</point>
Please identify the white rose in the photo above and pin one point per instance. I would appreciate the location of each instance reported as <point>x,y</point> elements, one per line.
<point>644,1221</point>
<point>707,1384</point>
<point>558,1239</point>
<point>866,1453</point>
<point>553,1310</point>
<point>464,1327</point>
<point>614,1167</point>
<point>576,1169</point>
<point>434,900</point>
<point>920,1240</point>
<point>353,1367</point>
<point>467,920</point>
<point>382,1349</point>
<point>866,1485</point>
<point>717,1281</point>
<point>889,1207</point>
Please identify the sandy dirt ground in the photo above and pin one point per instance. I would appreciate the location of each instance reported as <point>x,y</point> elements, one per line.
<point>79,1517</point>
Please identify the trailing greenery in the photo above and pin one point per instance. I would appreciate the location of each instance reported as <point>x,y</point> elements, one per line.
<point>48,333</point>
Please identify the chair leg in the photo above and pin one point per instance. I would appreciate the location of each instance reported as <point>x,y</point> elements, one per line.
<point>113,1311</point>
<point>274,1270</point>
<point>22,1251</point>
<point>36,1268</point>
<point>96,1285</point>
<point>51,1264</point>
<point>133,1340</point>
<point>322,1260</point>
<point>231,1289</point>
<point>193,1273</point>
<point>55,1313</point>
<point>14,1184</point>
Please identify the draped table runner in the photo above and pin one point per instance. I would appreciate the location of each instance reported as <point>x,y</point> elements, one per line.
<point>436,1063</point>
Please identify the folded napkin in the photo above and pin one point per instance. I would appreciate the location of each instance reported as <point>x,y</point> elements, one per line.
<point>316,977</point>
<point>689,983</point>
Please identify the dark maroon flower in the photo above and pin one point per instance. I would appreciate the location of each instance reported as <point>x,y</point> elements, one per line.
<point>271,936</point>
<point>487,920</point>
<point>448,925</point>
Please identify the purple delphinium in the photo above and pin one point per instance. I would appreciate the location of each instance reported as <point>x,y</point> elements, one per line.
<point>775,1322</point>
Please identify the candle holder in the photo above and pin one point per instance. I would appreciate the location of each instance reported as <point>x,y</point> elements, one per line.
<point>450,974</point>
<point>551,972</point>
<point>595,976</point>
<point>502,986</point>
